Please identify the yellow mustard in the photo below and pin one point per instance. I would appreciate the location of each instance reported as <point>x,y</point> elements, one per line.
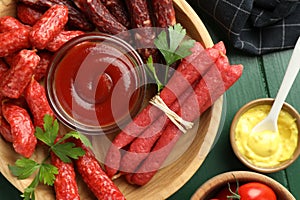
<point>266,149</point>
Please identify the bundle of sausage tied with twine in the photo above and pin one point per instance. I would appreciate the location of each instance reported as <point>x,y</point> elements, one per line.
<point>210,75</point>
<point>141,148</point>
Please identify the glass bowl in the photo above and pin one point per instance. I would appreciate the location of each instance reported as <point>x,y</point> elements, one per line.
<point>96,83</point>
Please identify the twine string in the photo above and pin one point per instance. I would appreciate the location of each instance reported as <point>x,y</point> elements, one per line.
<point>181,124</point>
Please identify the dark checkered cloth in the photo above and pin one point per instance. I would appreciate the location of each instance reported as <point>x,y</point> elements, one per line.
<point>256,26</point>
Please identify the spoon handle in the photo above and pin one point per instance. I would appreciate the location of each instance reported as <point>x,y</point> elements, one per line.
<point>289,77</point>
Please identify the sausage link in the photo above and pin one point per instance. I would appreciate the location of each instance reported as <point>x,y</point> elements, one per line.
<point>81,4</point>
<point>65,185</point>
<point>22,129</point>
<point>139,13</point>
<point>19,75</point>
<point>13,41</point>
<point>36,99</point>
<point>77,18</point>
<point>188,72</point>
<point>8,23</point>
<point>10,58</point>
<point>41,69</point>
<point>221,47</point>
<point>141,146</point>
<point>4,126</point>
<point>118,9</point>
<point>27,14</point>
<point>38,4</point>
<point>48,26</point>
<point>93,175</point>
<point>205,97</point>
<point>5,130</point>
<point>215,83</point>
<point>61,39</point>
<point>21,102</point>
<point>3,68</point>
<point>144,34</point>
<point>164,13</point>
<point>101,17</point>
<point>191,69</point>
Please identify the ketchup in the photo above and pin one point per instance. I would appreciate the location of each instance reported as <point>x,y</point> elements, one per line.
<point>96,84</point>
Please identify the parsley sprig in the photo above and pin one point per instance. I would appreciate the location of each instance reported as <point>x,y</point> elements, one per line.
<point>45,172</point>
<point>173,45</point>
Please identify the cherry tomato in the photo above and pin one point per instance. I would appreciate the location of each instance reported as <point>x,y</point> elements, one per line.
<point>247,191</point>
<point>256,191</point>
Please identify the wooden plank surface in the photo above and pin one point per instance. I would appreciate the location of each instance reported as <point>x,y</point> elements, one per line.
<point>262,78</point>
<point>275,66</point>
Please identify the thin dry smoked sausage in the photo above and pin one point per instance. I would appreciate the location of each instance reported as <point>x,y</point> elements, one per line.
<point>16,79</point>
<point>22,129</point>
<point>144,33</point>
<point>48,26</point>
<point>3,67</point>
<point>28,15</point>
<point>77,19</point>
<point>169,137</point>
<point>101,17</point>
<point>61,39</point>
<point>93,175</point>
<point>164,13</point>
<point>65,185</point>
<point>13,41</point>
<point>41,69</point>
<point>8,23</point>
<point>5,127</point>
<point>142,145</point>
<point>189,70</point>
<point>118,9</point>
<point>36,99</point>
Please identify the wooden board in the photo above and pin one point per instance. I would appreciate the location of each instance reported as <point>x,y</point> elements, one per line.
<point>169,179</point>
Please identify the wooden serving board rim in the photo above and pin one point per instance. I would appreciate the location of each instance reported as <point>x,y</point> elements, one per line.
<point>215,112</point>
<point>242,176</point>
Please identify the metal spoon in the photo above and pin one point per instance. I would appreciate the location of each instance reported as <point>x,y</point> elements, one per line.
<point>270,122</point>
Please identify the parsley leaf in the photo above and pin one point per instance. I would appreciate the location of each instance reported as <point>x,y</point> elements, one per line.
<point>173,45</point>
<point>79,136</point>
<point>51,128</point>
<point>64,151</point>
<point>23,168</point>
<point>47,174</point>
<point>176,46</point>
<point>67,150</point>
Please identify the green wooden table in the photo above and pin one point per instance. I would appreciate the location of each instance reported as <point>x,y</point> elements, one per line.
<point>261,78</point>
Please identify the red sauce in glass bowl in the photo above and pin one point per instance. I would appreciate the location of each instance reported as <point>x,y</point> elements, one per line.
<point>94,85</point>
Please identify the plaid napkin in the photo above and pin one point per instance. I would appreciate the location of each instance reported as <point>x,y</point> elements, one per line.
<point>256,26</point>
